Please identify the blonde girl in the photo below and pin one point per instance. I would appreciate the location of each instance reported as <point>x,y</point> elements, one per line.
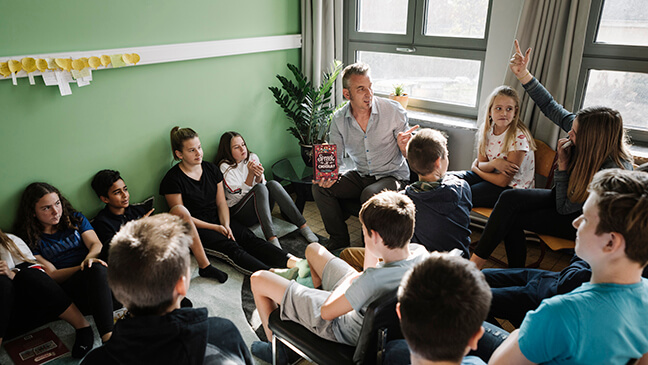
<point>505,148</point>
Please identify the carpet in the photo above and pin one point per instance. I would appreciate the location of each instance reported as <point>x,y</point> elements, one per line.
<point>293,243</point>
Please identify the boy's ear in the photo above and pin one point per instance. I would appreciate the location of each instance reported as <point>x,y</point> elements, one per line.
<point>182,286</point>
<point>104,199</point>
<point>474,339</point>
<point>398,313</point>
<point>616,243</point>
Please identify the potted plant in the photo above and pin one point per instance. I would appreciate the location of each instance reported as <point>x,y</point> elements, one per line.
<point>308,107</point>
<point>399,95</point>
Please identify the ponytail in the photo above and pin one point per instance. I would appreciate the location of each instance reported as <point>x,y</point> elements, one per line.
<point>178,136</point>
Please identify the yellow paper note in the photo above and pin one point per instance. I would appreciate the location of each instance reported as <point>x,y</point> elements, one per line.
<point>4,69</point>
<point>14,66</point>
<point>28,64</point>
<point>132,58</point>
<point>105,60</point>
<point>78,64</point>
<point>117,60</point>
<point>94,62</point>
<point>64,63</point>
<point>41,64</point>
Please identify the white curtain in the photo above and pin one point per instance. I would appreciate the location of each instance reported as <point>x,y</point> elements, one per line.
<point>557,35</point>
<point>321,40</point>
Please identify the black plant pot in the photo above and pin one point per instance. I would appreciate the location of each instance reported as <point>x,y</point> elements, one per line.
<point>307,154</point>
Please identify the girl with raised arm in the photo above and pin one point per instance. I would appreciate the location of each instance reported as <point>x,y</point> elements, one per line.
<point>596,140</point>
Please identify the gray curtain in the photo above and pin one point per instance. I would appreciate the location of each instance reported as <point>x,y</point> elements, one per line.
<point>321,39</point>
<point>557,35</point>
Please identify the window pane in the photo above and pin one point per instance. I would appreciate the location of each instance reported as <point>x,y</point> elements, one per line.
<point>626,92</point>
<point>382,16</point>
<point>445,80</point>
<point>624,22</point>
<point>456,18</point>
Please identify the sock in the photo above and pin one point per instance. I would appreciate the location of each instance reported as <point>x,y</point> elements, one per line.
<point>289,274</point>
<point>275,241</point>
<point>83,342</point>
<point>263,350</point>
<point>308,234</point>
<point>304,268</point>
<point>213,273</point>
<point>186,303</point>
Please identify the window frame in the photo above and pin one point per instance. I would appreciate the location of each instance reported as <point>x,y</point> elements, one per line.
<point>609,57</point>
<point>416,43</point>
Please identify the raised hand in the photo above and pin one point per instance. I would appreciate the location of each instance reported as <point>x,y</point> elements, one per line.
<point>403,137</point>
<point>519,61</point>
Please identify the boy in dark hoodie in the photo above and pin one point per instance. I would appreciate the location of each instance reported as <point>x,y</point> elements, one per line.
<point>443,202</point>
<point>149,273</point>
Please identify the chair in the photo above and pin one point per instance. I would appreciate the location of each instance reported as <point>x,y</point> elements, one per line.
<point>380,324</point>
<point>545,160</point>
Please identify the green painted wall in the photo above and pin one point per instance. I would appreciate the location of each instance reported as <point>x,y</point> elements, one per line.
<point>122,120</point>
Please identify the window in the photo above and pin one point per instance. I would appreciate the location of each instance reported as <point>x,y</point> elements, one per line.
<point>435,48</point>
<point>614,71</point>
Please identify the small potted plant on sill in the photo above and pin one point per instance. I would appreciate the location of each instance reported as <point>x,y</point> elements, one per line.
<point>308,107</point>
<point>399,95</point>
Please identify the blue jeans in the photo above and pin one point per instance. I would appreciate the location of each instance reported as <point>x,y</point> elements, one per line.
<point>484,193</point>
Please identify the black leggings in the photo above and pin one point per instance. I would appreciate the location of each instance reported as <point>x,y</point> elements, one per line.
<point>89,290</point>
<point>248,252</point>
<point>30,300</point>
<point>517,210</point>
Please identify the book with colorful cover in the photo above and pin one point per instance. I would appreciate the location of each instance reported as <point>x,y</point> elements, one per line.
<point>36,348</point>
<point>325,163</point>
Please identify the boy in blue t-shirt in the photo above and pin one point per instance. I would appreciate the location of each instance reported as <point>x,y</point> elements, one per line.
<point>603,321</point>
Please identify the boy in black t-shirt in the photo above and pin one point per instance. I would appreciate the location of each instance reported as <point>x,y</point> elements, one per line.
<point>112,190</point>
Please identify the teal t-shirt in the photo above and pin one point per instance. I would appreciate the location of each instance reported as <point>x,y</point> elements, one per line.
<point>594,324</point>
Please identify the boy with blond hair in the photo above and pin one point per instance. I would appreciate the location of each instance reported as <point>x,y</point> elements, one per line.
<point>149,272</point>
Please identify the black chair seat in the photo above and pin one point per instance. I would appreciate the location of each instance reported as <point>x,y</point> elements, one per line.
<point>379,326</point>
<point>309,344</point>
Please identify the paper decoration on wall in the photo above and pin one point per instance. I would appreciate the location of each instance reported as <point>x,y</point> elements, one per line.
<point>94,62</point>
<point>132,58</point>
<point>63,71</point>
<point>41,64</point>
<point>4,69</point>
<point>29,65</point>
<point>105,60</point>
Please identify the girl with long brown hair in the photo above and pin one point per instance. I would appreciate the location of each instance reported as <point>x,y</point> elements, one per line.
<point>29,298</point>
<point>596,140</point>
<point>249,196</point>
<point>66,246</point>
